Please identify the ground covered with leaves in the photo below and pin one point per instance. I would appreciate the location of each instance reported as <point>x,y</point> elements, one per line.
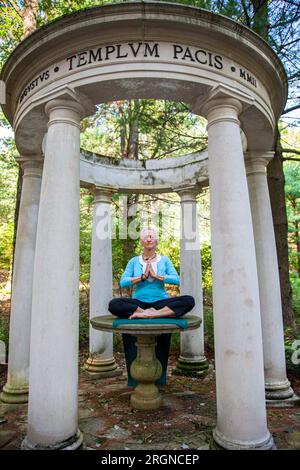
<point>185,421</point>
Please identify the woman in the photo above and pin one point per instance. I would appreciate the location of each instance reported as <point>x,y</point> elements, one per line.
<point>149,273</point>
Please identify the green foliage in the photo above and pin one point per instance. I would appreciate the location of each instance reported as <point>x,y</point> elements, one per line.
<point>295,282</point>
<point>86,217</point>
<point>162,129</point>
<point>208,333</point>
<point>6,243</point>
<point>84,321</point>
<point>208,329</point>
<point>206,266</point>
<point>8,180</point>
<point>11,31</point>
<point>292,192</point>
<point>4,329</point>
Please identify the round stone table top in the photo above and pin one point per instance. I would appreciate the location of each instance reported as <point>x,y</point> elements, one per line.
<point>105,323</point>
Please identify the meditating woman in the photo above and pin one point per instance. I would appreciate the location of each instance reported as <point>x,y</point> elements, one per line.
<point>149,273</point>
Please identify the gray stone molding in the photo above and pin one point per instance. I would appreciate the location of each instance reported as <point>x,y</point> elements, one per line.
<point>151,176</point>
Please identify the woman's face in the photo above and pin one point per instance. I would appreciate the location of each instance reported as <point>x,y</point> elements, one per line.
<point>148,239</point>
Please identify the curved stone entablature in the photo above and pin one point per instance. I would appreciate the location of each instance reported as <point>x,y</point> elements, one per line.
<point>149,176</point>
<point>147,50</point>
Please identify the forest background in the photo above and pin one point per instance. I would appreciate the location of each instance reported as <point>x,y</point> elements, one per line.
<point>143,129</point>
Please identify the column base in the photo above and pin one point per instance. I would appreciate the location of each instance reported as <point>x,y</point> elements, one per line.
<point>14,395</point>
<point>291,402</point>
<point>146,398</point>
<point>73,443</point>
<point>191,368</point>
<point>278,390</point>
<point>101,368</point>
<point>221,442</point>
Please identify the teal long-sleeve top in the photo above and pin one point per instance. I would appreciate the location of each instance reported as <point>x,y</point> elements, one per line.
<point>148,291</point>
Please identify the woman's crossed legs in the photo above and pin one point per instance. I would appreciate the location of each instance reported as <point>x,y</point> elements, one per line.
<point>127,307</point>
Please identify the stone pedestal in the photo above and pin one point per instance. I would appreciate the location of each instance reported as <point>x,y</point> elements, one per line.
<point>101,362</point>
<point>241,422</point>
<point>16,388</point>
<point>146,369</point>
<point>52,414</point>
<point>192,361</point>
<point>276,383</point>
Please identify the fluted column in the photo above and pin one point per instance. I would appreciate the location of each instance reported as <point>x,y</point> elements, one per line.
<point>276,383</point>
<point>16,388</point>
<point>192,360</point>
<point>53,378</point>
<point>101,362</point>
<point>241,413</point>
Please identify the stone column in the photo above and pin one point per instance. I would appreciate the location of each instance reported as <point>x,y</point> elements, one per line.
<point>192,360</point>
<point>101,362</point>
<point>16,388</point>
<point>241,422</point>
<point>53,378</point>
<point>276,383</point>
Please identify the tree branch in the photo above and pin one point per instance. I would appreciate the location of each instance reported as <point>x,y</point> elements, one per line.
<point>288,110</point>
<point>16,8</point>
<point>248,21</point>
<point>291,151</point>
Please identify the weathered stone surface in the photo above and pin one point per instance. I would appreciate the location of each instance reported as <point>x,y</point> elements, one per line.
<point>294,439</point>
<point>6,437</point>
<point>116,432</point>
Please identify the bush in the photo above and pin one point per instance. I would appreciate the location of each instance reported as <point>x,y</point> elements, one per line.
<point>84,320</point>
<point>295,282</point>
<point>208,333</point>
<point>4,329</point>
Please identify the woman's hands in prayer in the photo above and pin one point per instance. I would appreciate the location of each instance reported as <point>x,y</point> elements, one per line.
<point>149,271</point>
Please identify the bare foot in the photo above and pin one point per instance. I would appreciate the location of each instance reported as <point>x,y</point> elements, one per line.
<point>148,313</point>
<point>139,310</point>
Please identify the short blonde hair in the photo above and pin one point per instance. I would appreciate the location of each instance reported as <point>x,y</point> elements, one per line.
<point>149,228</point>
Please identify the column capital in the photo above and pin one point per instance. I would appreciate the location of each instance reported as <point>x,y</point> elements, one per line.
<point>31,166</point>
<point>257,161</point>
<point>68,111</point>
<point>223,109</point>
<point>222,96</point>
<point>104,193</point>
<point>187,193</point>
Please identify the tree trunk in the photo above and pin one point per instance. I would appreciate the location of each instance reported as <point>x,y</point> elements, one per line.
<point>297,245</point>
<point>122,131</point>
<point>277,197</point>
<point>133,139</point>
<point>29,17</point>
<point>276,186</point>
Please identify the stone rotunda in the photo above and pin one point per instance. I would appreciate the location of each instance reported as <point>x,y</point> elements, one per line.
<point>227,74</point>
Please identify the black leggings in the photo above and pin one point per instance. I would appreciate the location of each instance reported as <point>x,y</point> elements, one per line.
<point>123,307</point>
